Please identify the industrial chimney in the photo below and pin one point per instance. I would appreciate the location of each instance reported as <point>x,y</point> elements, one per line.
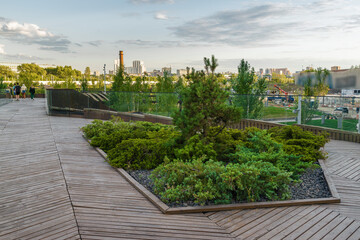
<point>121,55</point>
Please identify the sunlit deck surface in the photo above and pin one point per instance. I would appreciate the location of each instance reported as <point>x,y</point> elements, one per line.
<point>53,185</point>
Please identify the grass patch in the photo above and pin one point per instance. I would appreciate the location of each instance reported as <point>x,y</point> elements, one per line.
<point>348,124</point>
<point>277,112</point>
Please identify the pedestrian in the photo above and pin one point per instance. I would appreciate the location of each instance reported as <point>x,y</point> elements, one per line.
<point>17,90</point>
<point>23,91</point>
<point>32,92</point>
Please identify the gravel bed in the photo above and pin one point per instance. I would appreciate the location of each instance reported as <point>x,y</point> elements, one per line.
<point>312,185</point>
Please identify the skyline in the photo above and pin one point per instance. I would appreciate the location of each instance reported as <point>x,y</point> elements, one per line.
<point>179,33</point>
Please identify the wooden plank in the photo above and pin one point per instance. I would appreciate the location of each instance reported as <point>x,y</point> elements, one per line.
<point>329,181</point>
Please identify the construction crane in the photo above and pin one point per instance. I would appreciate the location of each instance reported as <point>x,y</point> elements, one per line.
<point>287,97</point>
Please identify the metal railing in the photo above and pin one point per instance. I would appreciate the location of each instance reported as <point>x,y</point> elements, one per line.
<point>335,112</point>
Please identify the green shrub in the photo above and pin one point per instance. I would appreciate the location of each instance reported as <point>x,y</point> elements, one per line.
<point>210,181</point>
<point>195,181</point>
<point>260,147</point>
<point>142,153</point>
<point>93,129</point>
<point>195,147</point>
<point>253,181</point>
<point>225,142</point>
<point>301,143</point>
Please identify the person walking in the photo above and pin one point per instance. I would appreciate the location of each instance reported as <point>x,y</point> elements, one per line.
<point>23,91</point>
<point>17,90</point>
<point>32,92</point>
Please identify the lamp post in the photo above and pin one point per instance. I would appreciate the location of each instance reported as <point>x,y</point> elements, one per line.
<point>104,78</point>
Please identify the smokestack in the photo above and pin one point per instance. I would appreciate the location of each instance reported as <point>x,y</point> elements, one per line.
<point>121,55</point>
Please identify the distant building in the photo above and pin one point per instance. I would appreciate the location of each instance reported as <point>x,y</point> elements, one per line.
<point>156,73</point>
<point>138,68</point>
<point>116,65</point>
<point>181,72</point>
<point>270,71</point>
<point>338,79</point>
<point>335,68</point>
<point>96,73</point>
<point>111,72</point>
<point>166,69</point>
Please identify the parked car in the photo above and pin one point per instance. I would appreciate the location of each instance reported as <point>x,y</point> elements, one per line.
<point>341,110</point>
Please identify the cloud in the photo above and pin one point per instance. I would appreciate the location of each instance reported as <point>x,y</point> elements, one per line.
<point>2,51</point>
<point>151,1</point>
<point>16,56</point>
<point>158,44</point>
<point>161,16</point>
<point>96,43</point>
<point>32,34</point>
<point>22,57</point>
<point>238,27</point>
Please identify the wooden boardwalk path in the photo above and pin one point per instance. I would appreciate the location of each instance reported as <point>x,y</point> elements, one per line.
<point>55,186</point>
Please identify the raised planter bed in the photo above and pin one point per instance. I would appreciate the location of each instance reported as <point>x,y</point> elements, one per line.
<point>193,209</point>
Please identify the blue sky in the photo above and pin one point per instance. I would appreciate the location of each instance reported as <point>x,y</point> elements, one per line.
<point>179,33</point>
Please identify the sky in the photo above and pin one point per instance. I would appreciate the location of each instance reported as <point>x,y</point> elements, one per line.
<point>180,33</point>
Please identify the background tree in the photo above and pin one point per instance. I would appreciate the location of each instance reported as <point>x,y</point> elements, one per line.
<point>321,86</point>
<point>211,64</point>
<point>2,84</point>
<point>87,72</point>
<point>6,72</point>
<point>84,84</point>
<point>30,73</point>
<point>309,104</point>
<point>250,92</point>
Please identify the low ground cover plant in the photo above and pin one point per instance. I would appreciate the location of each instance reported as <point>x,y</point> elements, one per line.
<point>232,166</point>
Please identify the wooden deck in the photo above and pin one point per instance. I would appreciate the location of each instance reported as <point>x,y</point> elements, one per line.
<point>55,186</point>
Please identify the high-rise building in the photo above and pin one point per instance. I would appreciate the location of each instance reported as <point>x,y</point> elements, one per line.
<point>166,69</point>
<point>137,68</point>
<point>116,65</point>
<point>181,72</point>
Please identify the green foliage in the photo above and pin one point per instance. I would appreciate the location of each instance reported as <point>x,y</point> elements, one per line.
<point>321,86</point>
<point>301,143</point>
<point>2,84</point>
<point>138,153</point>
<point>211,181</point>
<point>203,106</point>
<point>87,72</point>
<point>65,72</point>
<point>260,147</point>
<point>225,142</point>
<point>84,84</point>
<point>138,145</point>
<point>194,148</point>
<point>190,181</point>
<point>6,72</point>
<point>249,91</point>
<point>257,180</point>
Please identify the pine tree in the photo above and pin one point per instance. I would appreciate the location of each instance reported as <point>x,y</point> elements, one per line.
<point>204,106</point>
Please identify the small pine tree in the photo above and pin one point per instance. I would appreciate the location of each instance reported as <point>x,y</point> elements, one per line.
<point>203,106</point>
